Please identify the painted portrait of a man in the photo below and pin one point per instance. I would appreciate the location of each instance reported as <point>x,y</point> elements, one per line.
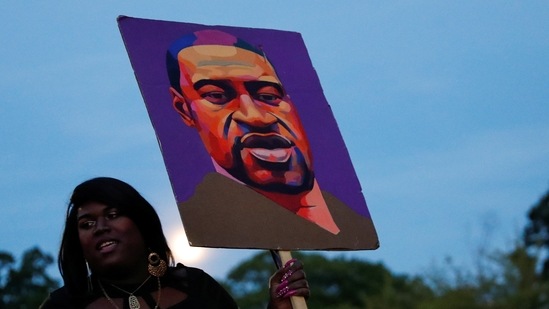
<point>229,92</point>
<point>261,190</point>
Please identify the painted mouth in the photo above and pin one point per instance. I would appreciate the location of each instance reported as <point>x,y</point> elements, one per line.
<point>271,147</point>
<point>280,155</point>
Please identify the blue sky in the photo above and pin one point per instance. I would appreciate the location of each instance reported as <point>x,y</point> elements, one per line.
<point>444,108</point>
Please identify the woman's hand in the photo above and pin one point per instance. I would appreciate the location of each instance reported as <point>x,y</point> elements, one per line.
<point>288,281</point>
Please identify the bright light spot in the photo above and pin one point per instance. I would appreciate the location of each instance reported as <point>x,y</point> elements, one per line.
<point>183,253</point>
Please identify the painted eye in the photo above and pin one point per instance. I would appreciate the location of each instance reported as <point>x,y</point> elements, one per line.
<point>266,93</point>
<point>216,97</point>
<point>216,92</point>
<point>269,98</point>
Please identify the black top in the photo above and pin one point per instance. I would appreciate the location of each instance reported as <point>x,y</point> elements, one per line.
<point>201,289</point>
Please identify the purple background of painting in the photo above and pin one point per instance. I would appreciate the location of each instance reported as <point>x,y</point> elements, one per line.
<point>184,154</point>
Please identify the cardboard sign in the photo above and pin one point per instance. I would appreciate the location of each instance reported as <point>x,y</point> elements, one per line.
<point>252,149</point>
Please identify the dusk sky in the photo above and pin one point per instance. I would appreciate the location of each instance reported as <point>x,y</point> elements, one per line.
<point>444,108</point>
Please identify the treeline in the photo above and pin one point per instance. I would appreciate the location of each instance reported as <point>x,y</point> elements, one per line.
<point>510,281</point>
<point>518,278</point>
<point>26,285</point>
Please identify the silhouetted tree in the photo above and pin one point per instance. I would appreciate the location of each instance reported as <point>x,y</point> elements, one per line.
<point>335,283</point>
<point>29,284</point>
<point>536,232</point>
<point>503,280</point>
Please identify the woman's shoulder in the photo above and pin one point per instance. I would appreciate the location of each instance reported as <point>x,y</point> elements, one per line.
<point>203,290</point>
<point>62,298</point>
<point>180,269</point>
<point>59,298</point>
<point>182,273</point>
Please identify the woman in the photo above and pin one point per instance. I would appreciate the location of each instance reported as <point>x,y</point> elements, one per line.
<point>114,255</point>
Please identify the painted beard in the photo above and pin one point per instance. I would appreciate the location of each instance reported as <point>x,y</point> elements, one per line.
<point>277,156</point>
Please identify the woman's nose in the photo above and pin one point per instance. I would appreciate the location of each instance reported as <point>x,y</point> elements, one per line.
<point>101,225</point>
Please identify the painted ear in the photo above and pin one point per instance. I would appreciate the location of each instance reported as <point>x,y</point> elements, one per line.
<point>182,107</point>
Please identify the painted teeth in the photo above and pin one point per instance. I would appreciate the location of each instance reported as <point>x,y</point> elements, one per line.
<point>271,155</point>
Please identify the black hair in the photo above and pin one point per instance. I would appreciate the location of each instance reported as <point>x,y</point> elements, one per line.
<point>114,193</point>
<point>202,37</point>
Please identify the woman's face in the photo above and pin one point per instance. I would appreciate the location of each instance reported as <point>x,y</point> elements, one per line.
<point>111,242</point>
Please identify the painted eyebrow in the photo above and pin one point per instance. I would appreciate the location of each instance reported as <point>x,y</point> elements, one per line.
<point>251,86</point>
<point>255,85</point>
<point>203,82</point>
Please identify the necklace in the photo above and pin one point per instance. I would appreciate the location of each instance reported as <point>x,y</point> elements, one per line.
<point>132,299</point>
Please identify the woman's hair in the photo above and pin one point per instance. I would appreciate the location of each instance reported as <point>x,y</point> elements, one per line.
<point>113,193</point>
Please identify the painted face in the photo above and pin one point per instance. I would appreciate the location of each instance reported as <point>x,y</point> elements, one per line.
<point>245,119</point>
<point>110,241</point>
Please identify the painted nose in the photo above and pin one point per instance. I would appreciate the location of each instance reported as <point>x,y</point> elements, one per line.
<point>253,114</point>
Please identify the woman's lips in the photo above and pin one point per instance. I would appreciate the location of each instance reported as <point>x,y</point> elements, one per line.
<point>106,246</point>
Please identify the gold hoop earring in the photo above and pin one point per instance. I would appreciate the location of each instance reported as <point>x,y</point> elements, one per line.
<point>157,266</point>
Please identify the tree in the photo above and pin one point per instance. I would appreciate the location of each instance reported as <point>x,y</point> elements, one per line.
<point>29,284</point>
<point>335,283</point>
<point>536,232</point>
<point>502,280</point>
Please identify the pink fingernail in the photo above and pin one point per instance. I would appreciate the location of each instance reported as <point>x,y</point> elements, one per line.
<point>290,262</point>
<point>286,275</point>
<point>290,293</point>
<point>283,292</point>
<point>282,285</point>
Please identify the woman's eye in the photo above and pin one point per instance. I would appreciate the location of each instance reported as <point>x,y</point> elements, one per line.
<point>112,215</point>
<point>86,225</point>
